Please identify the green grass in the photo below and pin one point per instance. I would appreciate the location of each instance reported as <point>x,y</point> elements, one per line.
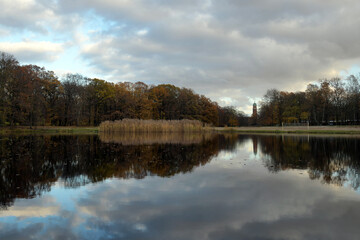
<point>297,131</point>
<point>95,130</point>
<point>49,130</point>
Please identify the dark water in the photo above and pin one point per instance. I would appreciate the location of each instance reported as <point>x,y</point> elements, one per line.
<point>179,187</point>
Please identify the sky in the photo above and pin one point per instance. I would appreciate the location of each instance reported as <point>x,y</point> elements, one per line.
<point>232,51</point>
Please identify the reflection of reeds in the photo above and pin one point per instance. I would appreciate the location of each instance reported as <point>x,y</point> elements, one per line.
<point>133,138</point>
<point>162,126</point>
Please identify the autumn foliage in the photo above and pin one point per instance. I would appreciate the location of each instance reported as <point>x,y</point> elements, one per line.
<point>332,101</point>
<point>33,96</point>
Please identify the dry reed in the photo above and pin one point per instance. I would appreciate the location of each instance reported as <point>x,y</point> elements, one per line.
<point>133,138</point>
<point>145,126</point>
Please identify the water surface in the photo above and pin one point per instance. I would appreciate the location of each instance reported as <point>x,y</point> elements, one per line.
<point>179,187</point>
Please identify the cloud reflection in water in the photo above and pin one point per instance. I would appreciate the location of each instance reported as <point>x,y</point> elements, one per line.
<point>210,202</point>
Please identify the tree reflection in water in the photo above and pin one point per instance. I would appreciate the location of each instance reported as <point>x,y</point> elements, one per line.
<point>30,165</point>
<point>333,160</point>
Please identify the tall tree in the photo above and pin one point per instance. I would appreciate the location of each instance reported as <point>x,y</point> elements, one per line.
<point>8,65</point>
<point>353,99</point>
<point>325,94</point>
<point>73,96</point>
<point>338,98</point>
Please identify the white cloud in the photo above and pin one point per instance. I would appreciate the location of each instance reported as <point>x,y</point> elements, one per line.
<point>25,208</point>
<point>210,46</point>
<point>33,51</point>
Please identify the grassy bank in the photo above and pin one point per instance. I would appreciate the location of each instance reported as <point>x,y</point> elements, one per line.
<point>144,126</point>
<point>296,130</point>
<point>166,128</point>
<point>49,130</point>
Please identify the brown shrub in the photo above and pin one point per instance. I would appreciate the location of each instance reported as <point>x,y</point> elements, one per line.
<point>144,126</point>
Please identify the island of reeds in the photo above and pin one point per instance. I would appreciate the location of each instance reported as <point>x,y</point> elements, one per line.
<point>151,126</point>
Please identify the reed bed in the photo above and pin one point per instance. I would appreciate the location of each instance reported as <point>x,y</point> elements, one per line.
<point>150,138</point>
<point>146,126</point>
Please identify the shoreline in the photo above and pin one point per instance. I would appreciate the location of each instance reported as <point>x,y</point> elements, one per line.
<point>350,130</point>
<point>49,130</point>
<point>347,130</point>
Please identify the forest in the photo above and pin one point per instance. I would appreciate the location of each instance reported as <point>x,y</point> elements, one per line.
<point>332,101</point>
<point>33,96</point>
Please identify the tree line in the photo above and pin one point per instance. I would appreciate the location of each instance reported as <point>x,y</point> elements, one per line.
<point>332,101</point>
<point>33,96</point>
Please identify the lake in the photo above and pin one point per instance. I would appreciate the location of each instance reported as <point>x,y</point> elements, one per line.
<point>179,187</point>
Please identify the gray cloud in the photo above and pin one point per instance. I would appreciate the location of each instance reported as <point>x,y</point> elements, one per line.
<point>222,200</point>
<point>196,208</point>
<point>29,15</point>
<point>210,46</point>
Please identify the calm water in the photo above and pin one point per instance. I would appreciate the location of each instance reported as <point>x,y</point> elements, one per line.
<point>179,187</point>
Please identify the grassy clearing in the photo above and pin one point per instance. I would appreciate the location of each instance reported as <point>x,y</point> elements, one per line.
<point>353,130</point>
<point>145,126</point>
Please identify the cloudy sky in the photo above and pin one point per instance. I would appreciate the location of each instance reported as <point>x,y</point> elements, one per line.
<point>230,50</point>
